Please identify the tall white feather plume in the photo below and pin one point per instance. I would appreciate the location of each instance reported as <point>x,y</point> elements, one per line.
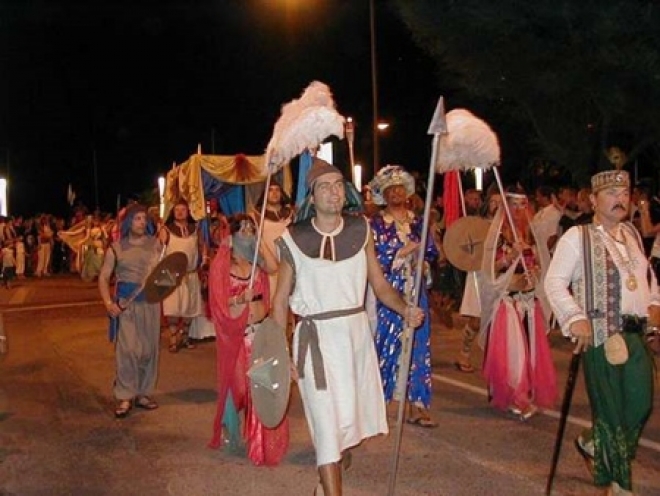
<point>304,123</point>
<point>469,143</point>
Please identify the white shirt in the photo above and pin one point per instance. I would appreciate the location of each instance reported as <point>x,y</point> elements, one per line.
<point>566,268</point>
<point>546,222</point>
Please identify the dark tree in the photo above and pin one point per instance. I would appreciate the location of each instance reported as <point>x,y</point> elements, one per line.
<point>569,75</point>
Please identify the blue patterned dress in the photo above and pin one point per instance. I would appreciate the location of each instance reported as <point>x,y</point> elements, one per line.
<point>390,236</point>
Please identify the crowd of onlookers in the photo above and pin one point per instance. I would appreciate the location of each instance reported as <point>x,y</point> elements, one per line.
<point>31,246</point>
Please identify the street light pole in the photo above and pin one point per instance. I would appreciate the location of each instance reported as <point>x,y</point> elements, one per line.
<point>374,83</point>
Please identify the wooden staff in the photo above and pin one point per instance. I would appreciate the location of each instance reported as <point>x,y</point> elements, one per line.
<point>349,132</point>
<point>565,407</point>
<point>437,128</point>
<point>505,204</point>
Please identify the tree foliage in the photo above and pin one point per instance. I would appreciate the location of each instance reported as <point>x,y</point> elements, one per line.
<point>575,74</point>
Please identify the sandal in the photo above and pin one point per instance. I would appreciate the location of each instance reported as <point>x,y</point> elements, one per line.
<point>466,368</point>
<point>523,414</point>
<point>145,403</point>
<point>174,343</point>
<point>580,446</point>
<point>421,418</point>
<point>187,343</point>
<point>425,422</point>
<point>122,409</point>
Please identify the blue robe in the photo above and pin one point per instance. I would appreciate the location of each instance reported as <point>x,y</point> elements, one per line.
<point>390,324</point>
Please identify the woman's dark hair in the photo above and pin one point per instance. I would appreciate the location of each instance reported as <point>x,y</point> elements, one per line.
<point>235,221</point>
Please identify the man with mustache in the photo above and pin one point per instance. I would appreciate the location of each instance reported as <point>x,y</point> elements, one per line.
<point>611,306</point>
<point>397,233</point>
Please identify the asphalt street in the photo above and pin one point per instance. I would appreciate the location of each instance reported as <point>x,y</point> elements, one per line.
<point>58,435</point>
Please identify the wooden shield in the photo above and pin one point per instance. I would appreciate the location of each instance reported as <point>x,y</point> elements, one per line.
<point>165,277</point>
<point>464,242</point>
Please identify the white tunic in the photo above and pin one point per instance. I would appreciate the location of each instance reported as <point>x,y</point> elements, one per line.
<point>352,407</point>
<point>271,231</point>
<point>186,300</point>
<point>471,304</point>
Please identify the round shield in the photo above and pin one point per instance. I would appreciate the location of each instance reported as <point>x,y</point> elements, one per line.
<point>165,277</point>
<point>464,242</point>
<point>269,373</point>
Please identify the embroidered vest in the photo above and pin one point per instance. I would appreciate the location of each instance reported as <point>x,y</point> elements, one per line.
<point>602,274</point>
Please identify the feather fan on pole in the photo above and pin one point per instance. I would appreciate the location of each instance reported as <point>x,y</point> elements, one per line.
<point>470,143</point>
<point>304,124</point>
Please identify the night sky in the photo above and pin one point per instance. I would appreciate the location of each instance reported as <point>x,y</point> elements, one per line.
<point>137,85</point>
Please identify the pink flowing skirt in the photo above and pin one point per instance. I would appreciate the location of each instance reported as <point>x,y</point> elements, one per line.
<point>519,369</point>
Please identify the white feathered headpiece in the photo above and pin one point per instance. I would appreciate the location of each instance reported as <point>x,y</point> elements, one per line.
<point>304,124</point>
<point>469,143</point>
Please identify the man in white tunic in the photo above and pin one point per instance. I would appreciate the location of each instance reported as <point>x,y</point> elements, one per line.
<point>326,263</point>
<point>180,234</point>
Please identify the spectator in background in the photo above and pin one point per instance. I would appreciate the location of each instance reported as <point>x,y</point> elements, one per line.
<point>8,263</point>
<point>20,257</point>
<point>60,253</point>
<point>585,207</point>
<point>45,240</point>
<point>567,203</point>
<point>473,202</point>
<point>546,219</point>
<point>642,193</point>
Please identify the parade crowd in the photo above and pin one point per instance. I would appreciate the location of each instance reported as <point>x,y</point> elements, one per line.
<point>340,287</point>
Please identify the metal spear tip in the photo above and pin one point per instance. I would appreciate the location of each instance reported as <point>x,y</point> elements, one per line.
<point>439,122</point>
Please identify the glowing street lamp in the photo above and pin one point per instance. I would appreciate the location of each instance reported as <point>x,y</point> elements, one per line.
<point>3,197</point>
<point>382,126</point>
<point>161,196</point>
<point>357,177</point>
<point>479,179</point>
<point>325,152</point>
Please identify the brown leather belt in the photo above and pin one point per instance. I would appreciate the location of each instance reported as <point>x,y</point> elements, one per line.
<point>308,338</point>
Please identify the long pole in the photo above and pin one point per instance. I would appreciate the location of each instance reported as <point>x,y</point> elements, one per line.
<point>349,131</point>
<point>374,83</point>
<point>565,407</point>
<point>507,211</point>
<point>260,228</point>
<point>437,128</point>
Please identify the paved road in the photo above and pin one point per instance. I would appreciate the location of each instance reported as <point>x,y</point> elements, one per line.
<point>58,435</point>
